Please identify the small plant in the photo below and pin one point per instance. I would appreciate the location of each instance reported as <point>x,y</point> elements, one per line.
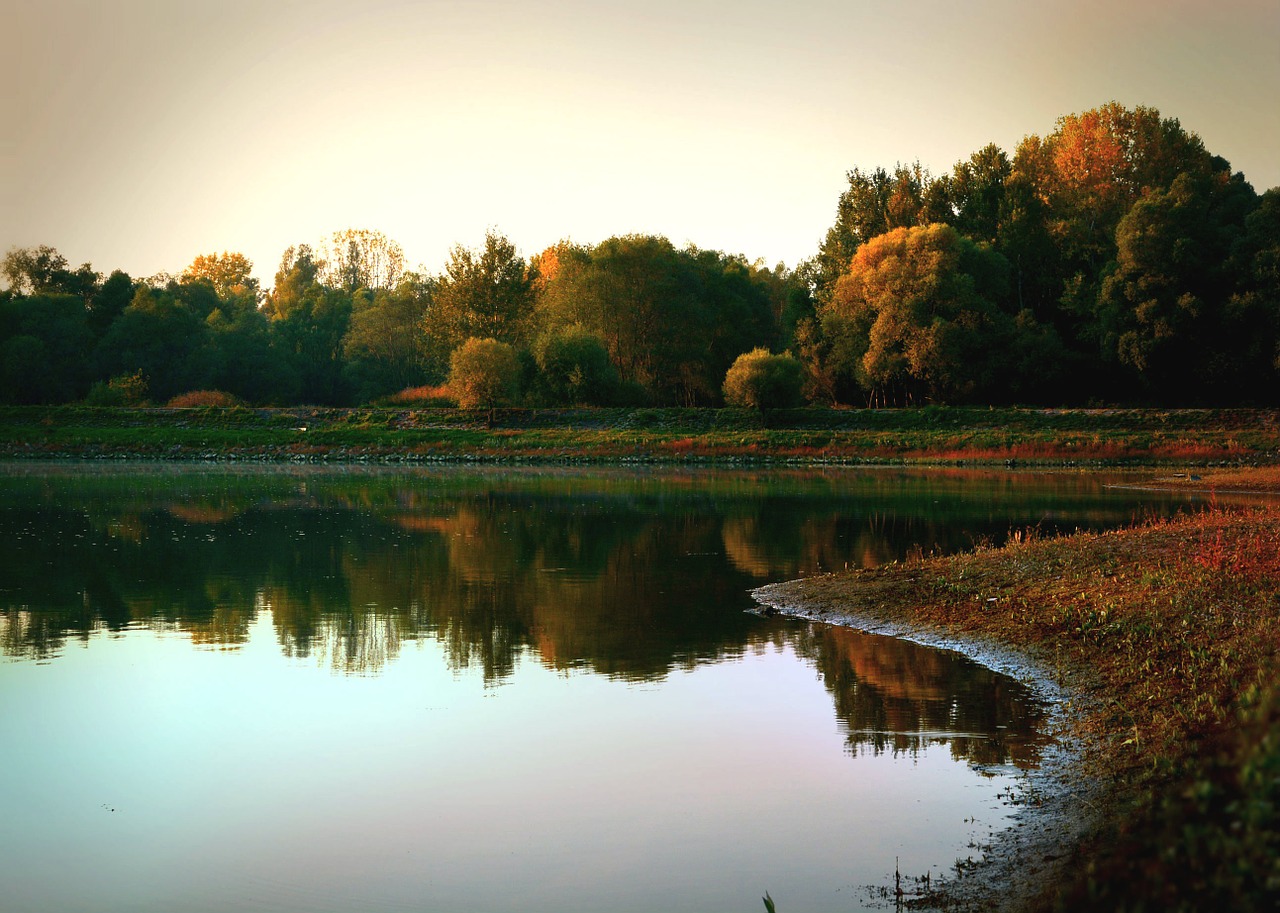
<point>768,903</point>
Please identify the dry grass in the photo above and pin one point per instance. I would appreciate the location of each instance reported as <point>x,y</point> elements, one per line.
<point>202,398</point>
<point>424,397</point>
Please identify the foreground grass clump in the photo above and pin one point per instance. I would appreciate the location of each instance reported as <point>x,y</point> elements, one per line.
<point>1173,629</point>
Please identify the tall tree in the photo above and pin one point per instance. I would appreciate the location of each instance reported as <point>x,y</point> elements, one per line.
<point>385,346</point>
<point>159,335</point>
<point>308,323</point>
<point>486,293</point>
<point>357,258</point>
<point>42,270</point>
<point>919,315</point>
<point>1164,308</point>
<point>874,202</point>
<point>230,275</point>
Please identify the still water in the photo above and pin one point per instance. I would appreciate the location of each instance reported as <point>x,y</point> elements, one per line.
<point>363,690</point>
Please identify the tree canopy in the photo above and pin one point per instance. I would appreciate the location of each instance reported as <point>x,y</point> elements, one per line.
<point>1113,259</point>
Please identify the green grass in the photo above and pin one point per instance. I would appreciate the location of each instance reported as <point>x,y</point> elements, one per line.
<point>937,434</point>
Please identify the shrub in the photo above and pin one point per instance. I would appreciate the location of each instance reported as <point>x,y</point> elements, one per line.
<point>198,398</point>
<point>121,390</point>
<point>484,373</point>
<point>759,380</point>
<point>574,367</point>
<point>426,397</point>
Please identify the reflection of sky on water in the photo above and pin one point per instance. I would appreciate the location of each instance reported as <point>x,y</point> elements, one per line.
<point>482,691</point>
<point>205,779</point>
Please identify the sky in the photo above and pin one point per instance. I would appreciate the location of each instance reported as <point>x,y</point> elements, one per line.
<point>139,134</point>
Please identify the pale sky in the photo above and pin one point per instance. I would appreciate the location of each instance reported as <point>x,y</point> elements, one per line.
<point>138,134</point>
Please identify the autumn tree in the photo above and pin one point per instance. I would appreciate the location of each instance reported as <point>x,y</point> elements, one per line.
<point>230,275</point>
<point>917,316</point>
<point>876,202</point>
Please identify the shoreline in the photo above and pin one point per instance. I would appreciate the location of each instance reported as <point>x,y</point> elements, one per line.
<point>1155,649</point>
<point>1012,437</point>
<point>1057,804</point>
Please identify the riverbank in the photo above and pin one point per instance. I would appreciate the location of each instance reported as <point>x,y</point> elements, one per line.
<point>933,434</point>
<point>1156,647</point>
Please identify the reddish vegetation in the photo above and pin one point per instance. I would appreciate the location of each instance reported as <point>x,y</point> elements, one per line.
<point>428,396</point>
<point>1171,632</point>
<point>199,398</point>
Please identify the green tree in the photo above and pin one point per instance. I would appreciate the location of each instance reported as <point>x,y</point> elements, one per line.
<point>160,336</point>
<point>110,301</point>
<point>976,193</point>
<point>484,373</point>
<point>574,367</point>
<point>308,324</point>
<point>44,271</point>
<point>485,293</point>
<point>245,363</point>
<point>672,320</point>
<point>385,346</point>
<point>761,380</point>
<point>1164,309</point>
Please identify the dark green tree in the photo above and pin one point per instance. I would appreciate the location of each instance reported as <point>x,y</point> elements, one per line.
<point>1165,308</point>
<point>574,367</point>
<point>385,346</point>
<point>159,335</point>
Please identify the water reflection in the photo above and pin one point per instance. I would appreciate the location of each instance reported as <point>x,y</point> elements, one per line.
<point>629,576</point>
<point>897,697</point>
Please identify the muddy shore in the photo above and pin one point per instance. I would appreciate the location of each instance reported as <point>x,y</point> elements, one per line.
<point>1156,651</point>
<point>1057,802</point>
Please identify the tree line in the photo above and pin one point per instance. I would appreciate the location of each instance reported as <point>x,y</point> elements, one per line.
<point>1113,260</point>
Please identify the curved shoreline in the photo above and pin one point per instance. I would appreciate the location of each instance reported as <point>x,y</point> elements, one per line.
<point>1058,803</point>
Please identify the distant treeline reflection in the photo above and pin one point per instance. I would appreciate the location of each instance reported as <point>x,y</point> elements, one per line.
<point>629,577</point>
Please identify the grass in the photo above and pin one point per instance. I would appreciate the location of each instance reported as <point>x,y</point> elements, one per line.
<point>390,433</point>
<point>1173,626</point>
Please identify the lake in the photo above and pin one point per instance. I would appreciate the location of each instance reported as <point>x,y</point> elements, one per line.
<point>303,689</point>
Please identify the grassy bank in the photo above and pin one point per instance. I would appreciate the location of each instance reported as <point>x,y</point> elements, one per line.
<point>939,434</point>
<point>1170,631</point>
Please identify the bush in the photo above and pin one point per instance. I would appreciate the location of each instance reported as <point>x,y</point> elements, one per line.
<point>574,368</point>
<point>426,397</point>
<point>484,373</point>
<point>121,390</point>
<point>197,398</point>
<point>759,380</point>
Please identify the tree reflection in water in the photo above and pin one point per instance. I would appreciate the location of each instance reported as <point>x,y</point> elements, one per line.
<point>625,575</point>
